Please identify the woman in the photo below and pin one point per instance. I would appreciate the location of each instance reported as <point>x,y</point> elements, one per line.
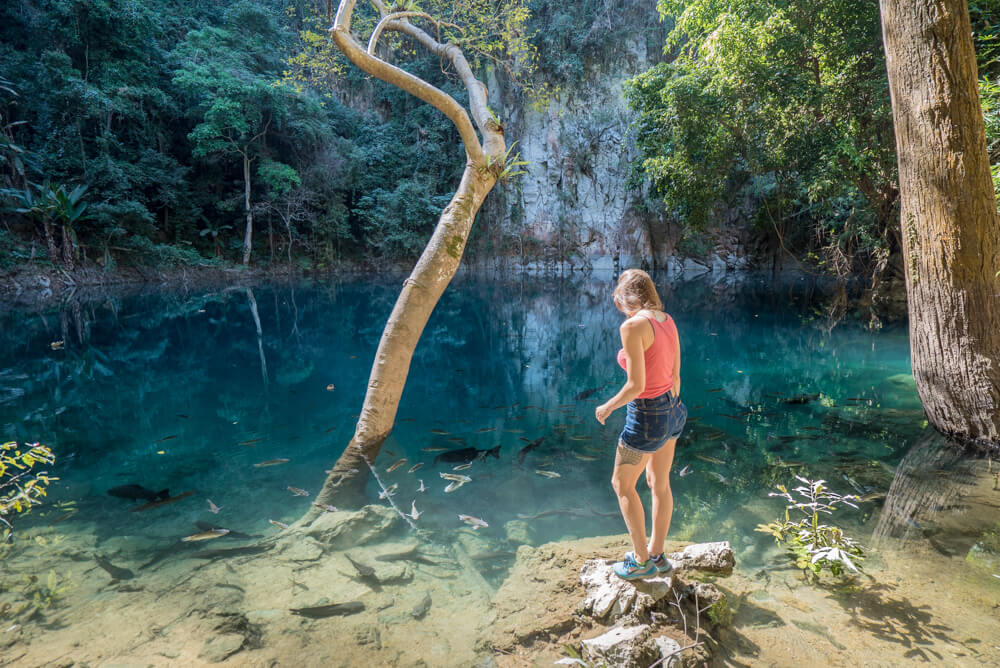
<point>651,357</point>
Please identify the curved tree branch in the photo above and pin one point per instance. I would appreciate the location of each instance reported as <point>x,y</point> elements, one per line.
<point>373,40</point>
<point>477,90</point>
<point>446,104</point>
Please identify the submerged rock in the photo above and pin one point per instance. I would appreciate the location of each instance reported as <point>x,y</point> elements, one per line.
<point>346,529</point>
<point>622,647</point>
<point>519,532</point>
<point>220,648</point>
<point>714,558</point>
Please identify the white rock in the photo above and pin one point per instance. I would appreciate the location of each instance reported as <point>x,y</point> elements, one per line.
<point>608,597</point>
<point>710,557</point>
<point>667,646</point>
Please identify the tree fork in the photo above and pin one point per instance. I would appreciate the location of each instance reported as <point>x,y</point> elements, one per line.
<point>948,215</point>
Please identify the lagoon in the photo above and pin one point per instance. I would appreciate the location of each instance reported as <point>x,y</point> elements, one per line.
<point>194,390</point>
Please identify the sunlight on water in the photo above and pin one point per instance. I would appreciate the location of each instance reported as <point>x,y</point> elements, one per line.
<point>186,393</point>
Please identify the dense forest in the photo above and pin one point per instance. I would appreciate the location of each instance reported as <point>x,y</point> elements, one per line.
<point>149,135</point>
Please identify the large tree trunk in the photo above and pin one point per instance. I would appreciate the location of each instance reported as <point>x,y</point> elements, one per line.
<point>950,228</point>
<point>248,235</point>
<point>421,292</point>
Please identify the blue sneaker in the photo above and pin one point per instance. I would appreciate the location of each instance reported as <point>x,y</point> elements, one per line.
<point>630,569</point>
<point>663,565</point>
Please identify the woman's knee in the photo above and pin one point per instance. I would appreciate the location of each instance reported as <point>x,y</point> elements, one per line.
<point>658,482</point>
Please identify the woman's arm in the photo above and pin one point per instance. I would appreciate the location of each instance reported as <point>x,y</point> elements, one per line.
<point>676,387</point>
<point>635,369</point>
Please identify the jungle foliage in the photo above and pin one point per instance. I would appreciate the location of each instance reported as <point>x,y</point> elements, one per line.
<point>157,110</point>
<point>780,109</point>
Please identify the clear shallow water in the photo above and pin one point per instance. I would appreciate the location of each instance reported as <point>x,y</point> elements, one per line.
<point>185,392</point>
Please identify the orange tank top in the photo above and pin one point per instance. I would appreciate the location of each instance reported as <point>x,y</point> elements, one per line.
<point>659,357</point>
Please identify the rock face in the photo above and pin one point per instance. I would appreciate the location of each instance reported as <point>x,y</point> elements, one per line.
<point>574,196</point>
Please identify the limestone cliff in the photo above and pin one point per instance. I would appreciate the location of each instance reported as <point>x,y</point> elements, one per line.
<point>574,202</point>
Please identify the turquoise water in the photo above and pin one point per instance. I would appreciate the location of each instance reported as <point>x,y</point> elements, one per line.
<point>184,391</point>
<point>175,391</point>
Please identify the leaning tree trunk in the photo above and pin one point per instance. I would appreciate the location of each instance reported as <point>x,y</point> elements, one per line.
<point>248,235</point>
<point>442,255</point>
<point>949,222</point>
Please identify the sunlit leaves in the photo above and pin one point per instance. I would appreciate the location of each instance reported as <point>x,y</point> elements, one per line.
<point>21,487</point>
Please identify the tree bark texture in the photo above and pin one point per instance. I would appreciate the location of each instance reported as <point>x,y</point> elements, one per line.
<point>948,215</point>
<point>50,242</point>
<point>248,235</point>
<point>441,257</point>
<point>69,262</point>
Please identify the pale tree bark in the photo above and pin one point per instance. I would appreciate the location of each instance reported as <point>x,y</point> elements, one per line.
<point>950,228</point>
<point>248,234</point>
<point>443,253</point>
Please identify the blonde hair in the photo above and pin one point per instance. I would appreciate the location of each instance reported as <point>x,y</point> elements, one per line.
<point>635,291</point>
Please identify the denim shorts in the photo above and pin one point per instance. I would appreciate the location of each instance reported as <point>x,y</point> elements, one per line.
<point>650,423</point>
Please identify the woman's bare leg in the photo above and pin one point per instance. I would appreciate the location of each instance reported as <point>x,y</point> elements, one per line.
<point>658,479</point>
<point>628,468</point>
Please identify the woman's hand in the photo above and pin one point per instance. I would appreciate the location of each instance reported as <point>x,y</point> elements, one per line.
<point>602,412</point>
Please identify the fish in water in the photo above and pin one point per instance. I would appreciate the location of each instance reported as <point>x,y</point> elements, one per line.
<point>587,394</point>
<point>528,448</point>
<point>710,460</point>
<point>716,389</point>
<point>684,471</point>
<point>212,508</point>
<point>441,432</point>
<point>433,449</point>
<point>208,526</point>
<point>271,462</point>
<point>547,474</point>
<point>389,491</point>
<point>485,430</point>
<point>414,513</point>
<point>416,467</point>
<point>452,486</point>
<point>157,504</point>
<point>280,525</point>
<point>251,441</point>
<point>584,458</point>
<point>579,437</point>
<point>115,572</point>
<point>166,438</point>
<point>396,465</point>
<point>467,455</point>
<point>297,491</point>
<point>326,506</point>
<point>473,522</point>
<point>363,570</point>
<point>801,399</point>
<point>332,610</point>
<point>718,476</point>
<point>462,467</point>
<point>136,492</point>
<point>456,477</point>
<point>422,487</point>
<point>57,345</point>
<point>205,535</point>
<point>421,608</point>
<point>788,464</point>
